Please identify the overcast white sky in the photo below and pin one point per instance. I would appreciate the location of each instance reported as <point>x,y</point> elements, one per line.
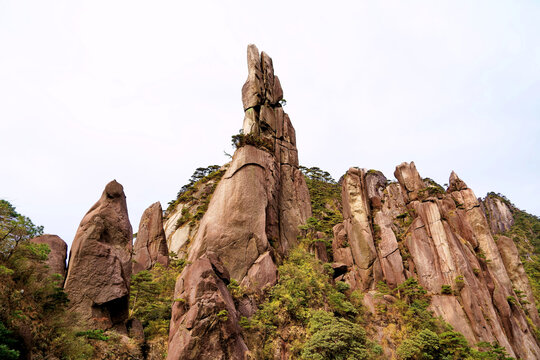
<point>146,91</point>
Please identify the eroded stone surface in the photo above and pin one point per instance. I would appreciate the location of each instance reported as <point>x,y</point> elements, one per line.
<point>204,323</point>
<point>99,271</point>
<point>151,245</point>
<point>447,240</point>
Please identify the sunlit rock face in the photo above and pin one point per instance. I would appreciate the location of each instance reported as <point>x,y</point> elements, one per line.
<point>99,271</point>
<point>414,228</point>
<point>252,218</point>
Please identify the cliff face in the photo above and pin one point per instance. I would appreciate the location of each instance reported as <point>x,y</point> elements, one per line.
<point>252,218</point>
<point>391,232</point>
<point>416,229</point>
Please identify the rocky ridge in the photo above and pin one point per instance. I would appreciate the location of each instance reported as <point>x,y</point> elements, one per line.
<point>415,229</point>
<point>233,227</point>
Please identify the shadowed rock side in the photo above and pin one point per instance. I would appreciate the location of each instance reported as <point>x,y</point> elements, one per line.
<point>151,245</point>
<point>57,257</point>
<point>413,228</point>
<point>252,220</point>
<point>99,270</point>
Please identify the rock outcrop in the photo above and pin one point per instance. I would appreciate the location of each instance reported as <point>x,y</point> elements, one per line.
<point>262,198</point>
<point>414,228</point>
<point>56,261</point>
<point>151,245</point>
<point>251,222</point>
<point>204,323</point>
<point>499,213</point>
<point>99,271</point>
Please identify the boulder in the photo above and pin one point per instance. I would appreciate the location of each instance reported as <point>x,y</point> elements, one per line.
<point>99,270</point>
<point>57,257</point>
<point>151,244</point>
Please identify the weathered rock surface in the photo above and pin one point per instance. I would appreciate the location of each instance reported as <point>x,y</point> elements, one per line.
<point>251,222</point>
<point>516,272</point>
<point>204,323</point>
<point>262,198</point>
<point>57,257</point>
<point>446,241</point>
<point>151,245</point>
<point>499,214</point>
<point>99,271</point>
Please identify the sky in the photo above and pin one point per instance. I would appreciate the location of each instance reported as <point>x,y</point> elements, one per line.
<point>144,92</point>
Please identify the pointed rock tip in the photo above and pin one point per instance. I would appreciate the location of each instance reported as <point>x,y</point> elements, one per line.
<point>455,183</point>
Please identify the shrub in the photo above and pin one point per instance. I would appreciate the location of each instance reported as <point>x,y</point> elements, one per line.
<point>334,338</point>
<point>446,290</point>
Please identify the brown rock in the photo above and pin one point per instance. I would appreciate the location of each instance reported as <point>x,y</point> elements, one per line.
<point>99,271</point>
<point>455,183</point>
<point>57,257</point>
<point>262,274</point>
<point>204,322</point>
<point>263,197</point>
<point>253,89</point>
<point>499,214</point>
<point>409,179</point>
<point>514,267</point>
<point>151,245</point>
<point>356,212</point>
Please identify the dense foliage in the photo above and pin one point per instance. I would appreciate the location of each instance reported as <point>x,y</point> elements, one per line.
<point>196,194</point>
<point>307,311</point>
<point>325,196</point>
<point>14,228</point>
<point>33,316</point>
<point>151,299</point>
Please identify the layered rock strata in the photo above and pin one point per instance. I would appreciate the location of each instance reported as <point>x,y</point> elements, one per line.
<point>151,244</point>
<point>56,260</point>
<point>416,229</point>
<point>99,271</point>
<point>252,220</point>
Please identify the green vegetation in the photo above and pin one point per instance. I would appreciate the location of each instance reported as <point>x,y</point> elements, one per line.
<point>418,334</point>
<point>152,293</point>
<point>526,235</point>
<point>325,196</point>
<point>32,302</point>
<point>332,337</point>
<point>259,142</point>
<point>304,307</point>
<point>14,229</point>
<point>196,194</point>
<point>446,290</point>
<point>433,189</point>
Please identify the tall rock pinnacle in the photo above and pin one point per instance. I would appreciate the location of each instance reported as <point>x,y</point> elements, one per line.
<point>262,197</point>
<point>99,270</point>
<point>151,245</point>
<point>252,220</point>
